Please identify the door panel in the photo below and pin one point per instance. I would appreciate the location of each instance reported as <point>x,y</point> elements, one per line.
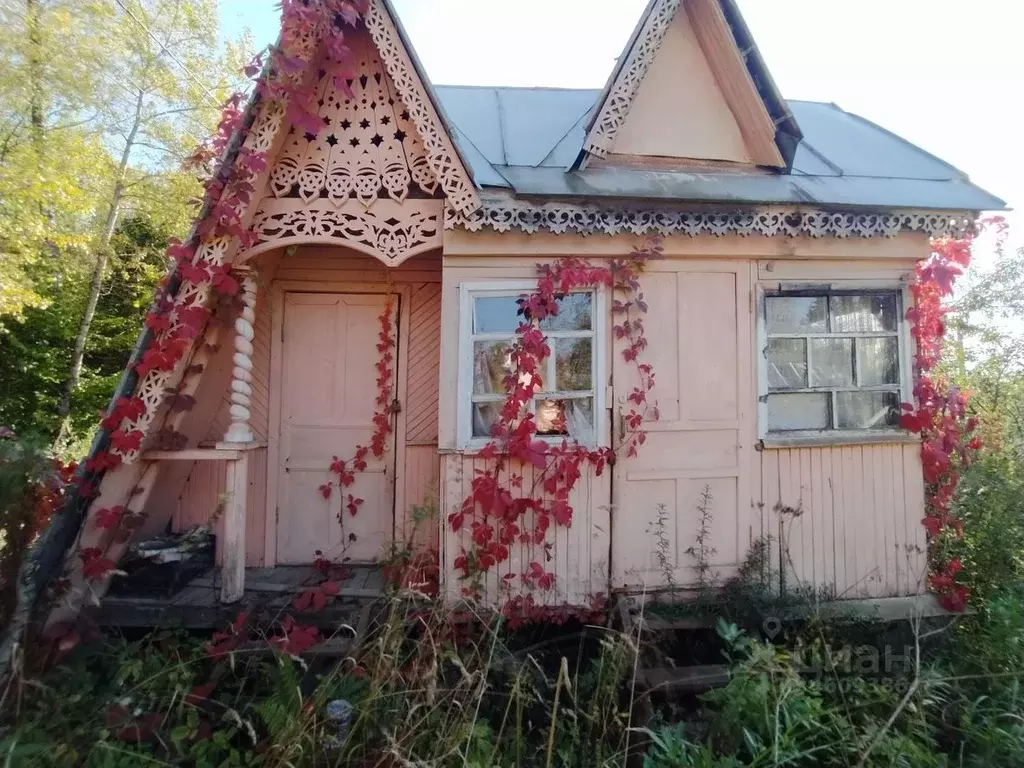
<point>701,354</point>
<point>327,404</point>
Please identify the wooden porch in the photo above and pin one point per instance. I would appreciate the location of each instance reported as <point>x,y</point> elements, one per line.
<point>268,591</point>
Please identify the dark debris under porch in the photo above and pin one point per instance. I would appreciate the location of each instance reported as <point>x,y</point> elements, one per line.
<point>268,591</point>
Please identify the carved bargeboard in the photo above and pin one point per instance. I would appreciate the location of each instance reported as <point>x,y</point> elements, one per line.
<point>364,181</point>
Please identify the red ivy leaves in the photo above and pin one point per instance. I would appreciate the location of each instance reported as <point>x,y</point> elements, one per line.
<point>126,442</point>
<point>948,436</point>
<point>499,509</point>
<point>315,598</point>
<point>130,408</point>
<point>382,418</point>
<point>94,564</point>
<point>109,519</point>
<point>296,639</point>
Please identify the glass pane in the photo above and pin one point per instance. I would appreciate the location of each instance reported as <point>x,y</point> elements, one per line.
<point>787,363</point>
<point>572,418</point>
<point>496,314</point>
<point>862,314</point>
<point>575,313</point>
<point>879,361</point>
<point>867,410</point>
<point>485,416</point>
<point>491,363</point>
<point>831,362</point>
<point>572,364</point>
<point>796,314</point>
<point>798,411</point>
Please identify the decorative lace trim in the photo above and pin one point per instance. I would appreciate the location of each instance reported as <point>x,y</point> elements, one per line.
<point>444,160</point>
<point>560,218</point>
<point>620,97</point>
<point>389,231</point>
<point>369,147</point>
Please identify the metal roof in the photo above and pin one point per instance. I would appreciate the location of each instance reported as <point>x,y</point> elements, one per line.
<point>525,139</point>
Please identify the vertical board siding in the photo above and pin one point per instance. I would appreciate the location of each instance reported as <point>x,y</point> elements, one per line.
<point>577,555</point>
<point>846,520</point>
<point>422,488</point>
<point>202,493</point>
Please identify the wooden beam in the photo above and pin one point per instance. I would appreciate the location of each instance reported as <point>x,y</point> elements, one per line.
<point>733,77</point>
<point>193,454</point>
<point>233,570</point>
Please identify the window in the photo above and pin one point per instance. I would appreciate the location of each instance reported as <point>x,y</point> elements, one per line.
<point>833,361</point>
<point>567,404</point>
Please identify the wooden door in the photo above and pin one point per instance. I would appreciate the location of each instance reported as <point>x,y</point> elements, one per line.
<point>329,388</point>
<point>699,335</point>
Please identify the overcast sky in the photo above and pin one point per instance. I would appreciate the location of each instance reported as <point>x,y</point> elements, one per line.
<point>944,74</point>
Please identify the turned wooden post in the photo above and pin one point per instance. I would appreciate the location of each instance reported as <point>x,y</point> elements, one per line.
<point>241,376</point>
<point>239,435</point>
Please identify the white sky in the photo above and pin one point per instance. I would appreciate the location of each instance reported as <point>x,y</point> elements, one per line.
<point>944,74</point>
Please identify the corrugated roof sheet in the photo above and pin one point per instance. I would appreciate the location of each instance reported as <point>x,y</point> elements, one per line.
<point>524,139</point>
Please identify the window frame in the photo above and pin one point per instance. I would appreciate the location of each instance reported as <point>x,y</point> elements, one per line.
<point>467,291</point>
<point>905,351</point>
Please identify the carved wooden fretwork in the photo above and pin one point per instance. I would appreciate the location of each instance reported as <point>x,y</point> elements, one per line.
<point>622,91</point>
<point>369,147</point>
<point>441,153</point>
<point>389,231</point>
<point>503,215</point>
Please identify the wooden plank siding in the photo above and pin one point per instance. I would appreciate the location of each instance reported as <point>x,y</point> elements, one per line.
<point>858,532</point>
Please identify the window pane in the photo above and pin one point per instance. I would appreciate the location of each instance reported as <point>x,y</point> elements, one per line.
<point>787,363</point>
<point>496,314</point>
<point>491,363</point>
<point>485,416</point>
<point>798,411</point>
<point>860,314</point>
<point>879,361</point>
<point>572,364</point>
<point>575,313</point>
<point>867,410</point>
<point>831,362</point>
<point>796,314</point>
<point>571,417</point>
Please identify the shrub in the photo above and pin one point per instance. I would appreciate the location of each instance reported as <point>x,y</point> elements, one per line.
<point>990,502</point>
<point>32,486</point>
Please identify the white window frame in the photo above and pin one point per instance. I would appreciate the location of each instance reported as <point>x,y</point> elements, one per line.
<point>464,412</point>
<point>796,438</point>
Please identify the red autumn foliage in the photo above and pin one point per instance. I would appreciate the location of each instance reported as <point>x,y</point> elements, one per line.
<point>949,441</point>
<point>295,638</point>
<point>501,508</point>
<point>94,564</point>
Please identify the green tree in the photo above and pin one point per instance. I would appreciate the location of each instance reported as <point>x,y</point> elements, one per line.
<point>100,101</point>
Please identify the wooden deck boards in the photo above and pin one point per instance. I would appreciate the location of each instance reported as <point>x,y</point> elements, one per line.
<point>267,590</point>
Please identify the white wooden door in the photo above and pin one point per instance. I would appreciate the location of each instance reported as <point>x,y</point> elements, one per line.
<point>329,388</point>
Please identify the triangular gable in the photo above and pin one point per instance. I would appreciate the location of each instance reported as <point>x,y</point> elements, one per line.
<point>412,177</point>
<point>683,88</point>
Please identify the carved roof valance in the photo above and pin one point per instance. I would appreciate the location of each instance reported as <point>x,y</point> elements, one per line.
<point>503,215</point>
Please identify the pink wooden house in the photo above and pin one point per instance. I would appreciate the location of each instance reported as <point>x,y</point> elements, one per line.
<point>775,325</point>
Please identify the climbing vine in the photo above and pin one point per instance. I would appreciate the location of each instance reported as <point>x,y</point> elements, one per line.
<point>178,317</point>
<point>949,439</point>
<point>346,469</point>
<point>525,489</point>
